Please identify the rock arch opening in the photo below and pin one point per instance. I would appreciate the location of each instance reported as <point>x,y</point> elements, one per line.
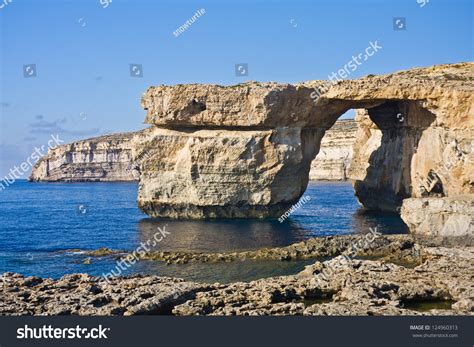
<point>388,135</point>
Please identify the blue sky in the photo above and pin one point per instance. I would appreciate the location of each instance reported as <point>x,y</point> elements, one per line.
<point>82,51</point>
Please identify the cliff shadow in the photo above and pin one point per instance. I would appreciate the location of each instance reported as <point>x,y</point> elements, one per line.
<point>397,126</point>
<point>221,234</point>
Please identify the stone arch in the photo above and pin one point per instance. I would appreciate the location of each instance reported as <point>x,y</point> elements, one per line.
<point>422,118</point>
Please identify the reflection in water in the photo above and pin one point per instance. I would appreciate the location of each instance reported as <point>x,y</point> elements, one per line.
<point>223,272</point>
<point>386,223</point>
<point>332,210</point>
<point>221,235</point>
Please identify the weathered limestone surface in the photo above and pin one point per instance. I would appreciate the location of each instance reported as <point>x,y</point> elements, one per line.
<point>222,173</point>
<point>391,164</point>
<point>340,286</point>
<point>84,295</point>
<point>252,159</point>
<point>440,216</point>
<point>105,158</point>
<point>419,142</point>
<point>335,155</point>
<point>252,104</point>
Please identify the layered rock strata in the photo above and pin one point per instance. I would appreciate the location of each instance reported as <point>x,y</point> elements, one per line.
<point>105,158</point>
<point>223,173</point>
<point>333,161</point>
<point>239,151</point>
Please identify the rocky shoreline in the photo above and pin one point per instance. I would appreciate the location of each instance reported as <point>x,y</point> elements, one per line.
<point>390,275</point>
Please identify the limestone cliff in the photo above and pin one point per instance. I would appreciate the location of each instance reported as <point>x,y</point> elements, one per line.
<point>335,155</point>
<point>105,158</point>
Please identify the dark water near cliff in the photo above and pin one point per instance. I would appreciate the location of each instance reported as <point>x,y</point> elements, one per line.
<point>39,221</point>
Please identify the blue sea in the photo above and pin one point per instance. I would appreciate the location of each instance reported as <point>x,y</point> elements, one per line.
<point>45,227</point>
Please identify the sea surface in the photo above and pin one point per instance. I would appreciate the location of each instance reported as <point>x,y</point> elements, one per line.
<point>45,227</point>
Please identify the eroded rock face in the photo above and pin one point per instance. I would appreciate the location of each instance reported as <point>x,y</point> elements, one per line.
<point>252,104</point>
<point>418,141</point>
<point>222,173</point>
<point>392,164</point>
<point>105,158</point>
<point>84,295</point>
<point>238,151</point>
<point>446,217</point>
